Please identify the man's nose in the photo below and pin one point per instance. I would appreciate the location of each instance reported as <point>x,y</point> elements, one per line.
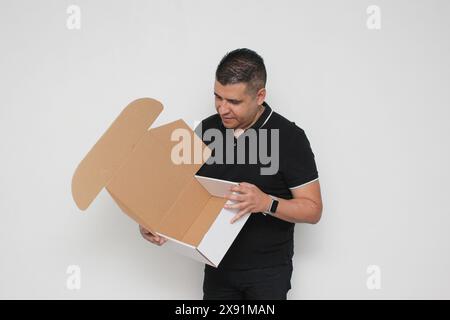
<point>222,108</point>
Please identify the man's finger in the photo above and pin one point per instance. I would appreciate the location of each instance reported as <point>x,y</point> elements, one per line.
<point>245,185</point>
<point>146,237</point>
<point>234,188</point>
<point>241,213</point>
<point>150,237</point>
<point>233,206</point>
<point>144,231</point>
<point>237,217</point>
<point>238,188</point>
<point>235,197</point>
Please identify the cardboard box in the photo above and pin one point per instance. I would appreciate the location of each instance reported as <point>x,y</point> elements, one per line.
<point>134,163</point>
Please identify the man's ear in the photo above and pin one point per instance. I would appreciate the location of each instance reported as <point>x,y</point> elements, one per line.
<point>261,96</point>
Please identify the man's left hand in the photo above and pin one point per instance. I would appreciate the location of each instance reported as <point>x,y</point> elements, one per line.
<point>250,199</point>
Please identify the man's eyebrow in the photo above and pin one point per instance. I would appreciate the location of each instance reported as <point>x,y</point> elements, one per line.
<point>231,100</point>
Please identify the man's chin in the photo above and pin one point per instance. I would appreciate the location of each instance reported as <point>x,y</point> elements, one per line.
<point>230,124</point>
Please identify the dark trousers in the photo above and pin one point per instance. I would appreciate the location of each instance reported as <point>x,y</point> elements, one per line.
<point>270,283</point>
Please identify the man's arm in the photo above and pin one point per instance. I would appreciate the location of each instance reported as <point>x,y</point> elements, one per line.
<point>305,207</point>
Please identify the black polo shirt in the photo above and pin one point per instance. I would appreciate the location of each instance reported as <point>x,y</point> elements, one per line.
<point>264,240</point>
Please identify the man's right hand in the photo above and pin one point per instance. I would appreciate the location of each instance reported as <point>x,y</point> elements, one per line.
<point>153,238</point>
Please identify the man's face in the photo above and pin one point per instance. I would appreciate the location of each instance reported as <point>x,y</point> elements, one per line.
<point>237,108</point>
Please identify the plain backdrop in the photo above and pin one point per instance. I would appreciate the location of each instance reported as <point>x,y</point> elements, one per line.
<point>373,103</point>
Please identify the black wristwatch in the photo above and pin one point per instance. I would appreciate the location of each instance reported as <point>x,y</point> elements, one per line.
<point>273,206</point>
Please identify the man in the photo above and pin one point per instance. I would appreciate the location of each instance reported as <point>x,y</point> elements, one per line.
<point>258,264</point>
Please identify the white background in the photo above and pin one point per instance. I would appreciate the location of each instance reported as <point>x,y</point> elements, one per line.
<point>374,104</point>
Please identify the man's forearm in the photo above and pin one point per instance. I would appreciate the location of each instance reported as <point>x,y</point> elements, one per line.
<point>301,210</point>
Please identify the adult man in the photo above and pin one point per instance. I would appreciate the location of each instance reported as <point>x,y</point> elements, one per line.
<point>258,265</point>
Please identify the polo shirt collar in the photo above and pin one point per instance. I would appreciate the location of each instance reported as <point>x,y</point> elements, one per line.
<point>263,117</point>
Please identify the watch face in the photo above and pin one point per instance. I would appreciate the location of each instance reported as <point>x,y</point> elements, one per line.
<point>274,206</point>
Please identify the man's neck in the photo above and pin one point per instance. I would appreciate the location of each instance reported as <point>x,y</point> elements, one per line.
<point>238,131</point>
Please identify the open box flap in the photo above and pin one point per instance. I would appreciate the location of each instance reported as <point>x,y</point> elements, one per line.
<point>112,149</point>
<point>153,181</point>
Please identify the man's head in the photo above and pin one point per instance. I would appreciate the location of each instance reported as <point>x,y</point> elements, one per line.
<point>239,88</point>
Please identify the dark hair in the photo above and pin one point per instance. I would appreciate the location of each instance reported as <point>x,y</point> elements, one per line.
<point>242,66</point>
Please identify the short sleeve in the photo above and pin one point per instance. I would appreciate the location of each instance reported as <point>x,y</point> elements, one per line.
<point>298,165</point>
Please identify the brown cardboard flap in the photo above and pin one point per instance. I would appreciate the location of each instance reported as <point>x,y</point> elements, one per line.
<point>150,181</point>
<point>205,219</point>
<point>112,149</point>
<point>184,211</point>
